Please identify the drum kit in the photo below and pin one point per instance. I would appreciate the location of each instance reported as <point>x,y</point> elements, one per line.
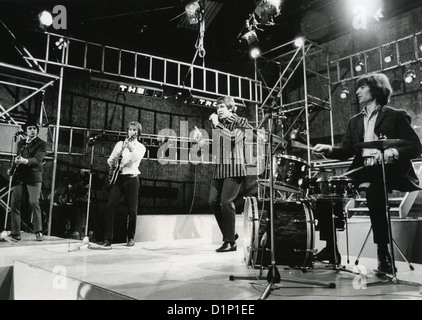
<point>294,216</point>
<point>292,228</point>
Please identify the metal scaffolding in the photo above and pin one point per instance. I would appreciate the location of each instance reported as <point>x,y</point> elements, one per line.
<point>104,60</point>
<point>296,68</point>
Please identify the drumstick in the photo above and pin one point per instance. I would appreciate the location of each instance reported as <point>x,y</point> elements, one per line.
<point>296,144</point>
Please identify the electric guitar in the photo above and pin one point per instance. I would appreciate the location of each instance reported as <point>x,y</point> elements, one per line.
<point>116,167</point>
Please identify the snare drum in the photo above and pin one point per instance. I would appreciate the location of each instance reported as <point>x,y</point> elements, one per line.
<point>342,186</point>
<point>294,233</point>
<point>289,174</point>
<point>318,187</point>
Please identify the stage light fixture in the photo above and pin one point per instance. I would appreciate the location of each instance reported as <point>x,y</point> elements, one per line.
<point>46,19</point>
<point>267,9</point>
<point>299,42</point>
<point>293,134</point>
<point>194,11</point>
<point>359,64</point>
<point>250,37</point>
<point>388,58</point>
<point>254,52</point>
<point>60,43</point>
<point>344,93</point>
<point>409,75</point>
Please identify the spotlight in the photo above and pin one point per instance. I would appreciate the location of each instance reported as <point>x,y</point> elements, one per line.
<point>267,9</point>
<point>299,42</point>
<point>250,37</point>
<point>254,52</point>
<point>344,93</point>
<point>388,58</point>
<point>46,19</point>
<point>293,134</point>
<point>60,44</point>
<point>194,11</point>
<point>409,76</point>
<point>359,64</point>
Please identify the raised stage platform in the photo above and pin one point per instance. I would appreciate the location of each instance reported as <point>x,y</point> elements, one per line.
<point>174,259</point>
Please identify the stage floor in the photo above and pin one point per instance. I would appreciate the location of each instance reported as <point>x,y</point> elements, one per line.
<point>187,269</point>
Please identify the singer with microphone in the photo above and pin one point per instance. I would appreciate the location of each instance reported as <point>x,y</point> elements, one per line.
<point>229,171</point>
<point>27,171</point>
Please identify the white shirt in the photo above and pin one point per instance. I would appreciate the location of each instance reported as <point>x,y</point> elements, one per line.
<point>130,160</point>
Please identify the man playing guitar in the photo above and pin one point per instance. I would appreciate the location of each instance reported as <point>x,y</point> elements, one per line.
<point>124,163</point>
<point>27,174</point>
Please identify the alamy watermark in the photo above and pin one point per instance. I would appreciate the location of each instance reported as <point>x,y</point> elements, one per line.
<point>240,147</point>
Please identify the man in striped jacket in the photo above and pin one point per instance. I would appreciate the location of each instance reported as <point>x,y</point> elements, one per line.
<point>230,171</point>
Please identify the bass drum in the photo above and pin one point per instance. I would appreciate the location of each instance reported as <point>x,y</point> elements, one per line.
<point>294,233</point>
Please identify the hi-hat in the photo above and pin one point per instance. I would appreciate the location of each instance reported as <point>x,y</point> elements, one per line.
<point>382,144</point>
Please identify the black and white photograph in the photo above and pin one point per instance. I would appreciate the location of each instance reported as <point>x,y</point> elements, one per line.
<point>205,155</point>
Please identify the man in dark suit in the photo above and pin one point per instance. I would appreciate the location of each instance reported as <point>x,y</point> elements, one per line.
<point>28,177</point>
<point>378,121</point>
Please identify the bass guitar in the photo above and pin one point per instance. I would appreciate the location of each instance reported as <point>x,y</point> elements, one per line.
<point>115,169</point>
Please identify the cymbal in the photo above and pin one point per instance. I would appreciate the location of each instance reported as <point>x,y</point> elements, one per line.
<point>382,144</point>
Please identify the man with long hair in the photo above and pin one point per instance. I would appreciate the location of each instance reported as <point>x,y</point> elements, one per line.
<point>124,160</point>
<point>378,121</point>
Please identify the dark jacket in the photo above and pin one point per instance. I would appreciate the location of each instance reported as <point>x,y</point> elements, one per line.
<point>35,152</point>
<point>393,124</point>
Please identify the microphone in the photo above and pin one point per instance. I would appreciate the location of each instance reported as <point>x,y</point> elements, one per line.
<point>20,133</point>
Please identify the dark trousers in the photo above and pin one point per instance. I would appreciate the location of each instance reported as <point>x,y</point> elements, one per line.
<point>223,192</point>
<point>34,193</point>
<point>375,199</point>
<point>324,211</point>
<point>127,187</point>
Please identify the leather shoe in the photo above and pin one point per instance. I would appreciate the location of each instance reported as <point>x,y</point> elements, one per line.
<point>227,247</point>
<point>386,268</point>
<point>130,243</point>
<point>384,261</point>
<point>39,236</point>
<point>328,255</point>
<point>17,237</point>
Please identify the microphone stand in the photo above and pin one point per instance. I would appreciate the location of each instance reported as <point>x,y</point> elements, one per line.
<point>85,240</point>
<point>273,275</point>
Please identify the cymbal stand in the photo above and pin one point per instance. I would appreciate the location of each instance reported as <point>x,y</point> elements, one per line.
<point>395,243</point>
<point>85,240</point>
<point>273,275</point>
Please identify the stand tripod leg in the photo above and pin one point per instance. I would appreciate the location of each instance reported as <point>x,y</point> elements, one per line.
<point>363,246</point>
<point>347,237</point>
<point>401,253</point>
